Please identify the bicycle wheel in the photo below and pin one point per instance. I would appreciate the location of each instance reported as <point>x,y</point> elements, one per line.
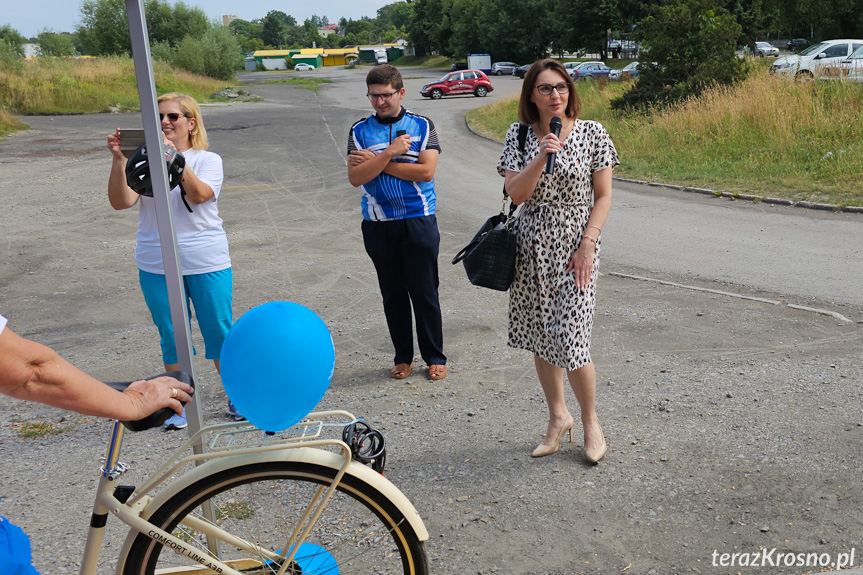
<point>359,531</point>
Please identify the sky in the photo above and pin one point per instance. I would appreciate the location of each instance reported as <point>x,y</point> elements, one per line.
<point>30,18</point>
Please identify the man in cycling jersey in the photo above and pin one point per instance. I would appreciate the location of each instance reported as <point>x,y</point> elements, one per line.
<point>392,156</point>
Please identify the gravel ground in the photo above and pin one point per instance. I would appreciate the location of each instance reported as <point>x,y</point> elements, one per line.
<point>733,424</point>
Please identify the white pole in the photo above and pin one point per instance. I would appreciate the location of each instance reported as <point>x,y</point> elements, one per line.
<point>164,217</point>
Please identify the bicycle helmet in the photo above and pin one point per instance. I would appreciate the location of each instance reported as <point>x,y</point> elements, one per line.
<point>138,170</point>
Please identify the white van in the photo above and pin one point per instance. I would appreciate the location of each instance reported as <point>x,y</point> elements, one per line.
<point>817,60</point>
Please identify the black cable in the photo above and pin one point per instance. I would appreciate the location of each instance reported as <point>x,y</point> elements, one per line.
<point>367,444</point>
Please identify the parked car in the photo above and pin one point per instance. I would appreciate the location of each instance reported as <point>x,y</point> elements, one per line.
<point>590,71</point>
<point>501,68</point>
<point>816,60</point>
<point>302,67</point>
<point>462,82</point>
<point>628,71</point>
<point>763,49</point>
<point>521,71</point>
<point>797,44</point>
<point>459,66</point>
<point>850,69</point>
<point>570,66</point>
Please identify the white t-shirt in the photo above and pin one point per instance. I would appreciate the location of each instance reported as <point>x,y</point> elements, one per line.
<point>202,243</point>
<point>2,323</point>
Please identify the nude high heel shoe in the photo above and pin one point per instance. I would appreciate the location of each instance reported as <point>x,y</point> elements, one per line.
<point>543,449</point>
<point>595,454</point>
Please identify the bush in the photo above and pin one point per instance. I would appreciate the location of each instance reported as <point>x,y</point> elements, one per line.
<point>10,56</point>
<point>688,47</point>
<point>162,51</point>
<point>190,56</point>
<point>224,58</point>
<point>216,54</point>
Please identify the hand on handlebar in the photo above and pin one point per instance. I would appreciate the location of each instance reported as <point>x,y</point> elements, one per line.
<point>148,396</point>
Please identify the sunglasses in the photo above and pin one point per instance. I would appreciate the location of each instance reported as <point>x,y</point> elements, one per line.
<point>173,116</point>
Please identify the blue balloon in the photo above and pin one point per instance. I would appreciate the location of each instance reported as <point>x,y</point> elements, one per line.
<point>277,362</point>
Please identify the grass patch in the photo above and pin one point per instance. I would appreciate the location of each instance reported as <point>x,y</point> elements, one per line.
<point>67,86</point>
<point>767,136</point>
<point>40,429</point>
<point>304,83</point>
<point>9,123</point>
<point>430,61</point>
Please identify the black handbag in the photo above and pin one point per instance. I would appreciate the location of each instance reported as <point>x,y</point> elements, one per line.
<point>489,258</point>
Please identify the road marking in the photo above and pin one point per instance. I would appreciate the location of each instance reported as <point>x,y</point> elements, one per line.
<point>832,314</point>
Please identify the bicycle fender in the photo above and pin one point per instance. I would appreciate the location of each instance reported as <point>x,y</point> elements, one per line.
<point>301,454</point>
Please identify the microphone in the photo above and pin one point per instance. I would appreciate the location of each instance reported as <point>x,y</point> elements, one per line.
<point>554,128</point>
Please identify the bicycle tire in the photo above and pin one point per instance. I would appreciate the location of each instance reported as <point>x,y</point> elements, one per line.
<point>360,529</point>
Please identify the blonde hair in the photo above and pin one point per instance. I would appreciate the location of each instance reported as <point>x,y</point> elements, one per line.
<point>189,106</point>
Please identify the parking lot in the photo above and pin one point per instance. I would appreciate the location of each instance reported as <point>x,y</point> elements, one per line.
<point>733,418</point>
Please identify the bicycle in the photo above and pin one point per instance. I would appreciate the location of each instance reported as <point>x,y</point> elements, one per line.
<point>261,503</point>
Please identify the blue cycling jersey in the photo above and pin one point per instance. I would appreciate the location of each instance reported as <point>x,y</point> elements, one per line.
<point>387,197</point>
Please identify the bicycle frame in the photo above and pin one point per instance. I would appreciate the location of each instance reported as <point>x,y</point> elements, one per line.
<point>299,444</point>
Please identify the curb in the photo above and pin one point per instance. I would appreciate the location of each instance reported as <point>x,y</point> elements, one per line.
<point>718,194</point>
<point>750,197</point>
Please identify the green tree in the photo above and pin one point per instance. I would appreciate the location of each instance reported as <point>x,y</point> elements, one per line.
<point>224,57</point>
<point>504,35</point>
<point>104,28</point>
<point>274,25</point>
<point>589,22</point>
<point>430,29</point>
<point>248,34</point>
<point>12,36</point>
<point>54,44</point>
<point>173,23</point>
<point>687,47</point>
<point>397,14</point>
<point>190,55</point>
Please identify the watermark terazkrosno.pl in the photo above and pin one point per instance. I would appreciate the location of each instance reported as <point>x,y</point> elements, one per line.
<point>775,558</point>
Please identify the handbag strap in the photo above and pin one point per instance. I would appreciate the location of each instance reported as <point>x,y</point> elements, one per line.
<point>522,138</point>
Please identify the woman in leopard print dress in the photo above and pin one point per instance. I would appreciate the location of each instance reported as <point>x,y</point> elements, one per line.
<point>553,297</point>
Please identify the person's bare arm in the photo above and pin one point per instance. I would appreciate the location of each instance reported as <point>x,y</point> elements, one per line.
<point>364,165</point>
<point>421,171</point>
<point>34,372</point>
<point>582,260</point>
<point>197,191</point>
<point>120,195</point>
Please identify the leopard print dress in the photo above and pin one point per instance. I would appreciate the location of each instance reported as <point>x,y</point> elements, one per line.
<point>548,314</point>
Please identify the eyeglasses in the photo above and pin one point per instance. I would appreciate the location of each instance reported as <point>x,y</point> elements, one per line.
<point>545,89</point>
<point>387,96</point>
<point>173,116</point>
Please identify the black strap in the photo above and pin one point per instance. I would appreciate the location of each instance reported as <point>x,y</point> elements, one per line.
<point>522,138</point>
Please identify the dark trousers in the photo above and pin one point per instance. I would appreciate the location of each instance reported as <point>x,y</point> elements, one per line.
<point>405,255</point>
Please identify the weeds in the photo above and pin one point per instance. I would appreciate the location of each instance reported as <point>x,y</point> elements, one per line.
<point>304,83</point>
<point>67,86</point>
<point>39,429</point>
<point>766,136</point>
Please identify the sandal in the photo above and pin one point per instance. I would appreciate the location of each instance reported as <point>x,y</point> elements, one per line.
<point>437,372</point>
<point>401,370</point>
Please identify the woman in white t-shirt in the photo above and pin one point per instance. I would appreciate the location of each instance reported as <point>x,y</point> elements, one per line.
<point>201,240</point>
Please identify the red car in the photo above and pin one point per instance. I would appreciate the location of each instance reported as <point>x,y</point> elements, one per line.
<point>461,82</point>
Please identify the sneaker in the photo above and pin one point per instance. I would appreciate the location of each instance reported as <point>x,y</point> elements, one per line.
<point>176,422</point>
<point>234,413</point>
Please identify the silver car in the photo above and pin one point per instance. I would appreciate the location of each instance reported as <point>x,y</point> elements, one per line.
<point>763,49</point>
<point>501,68</point>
